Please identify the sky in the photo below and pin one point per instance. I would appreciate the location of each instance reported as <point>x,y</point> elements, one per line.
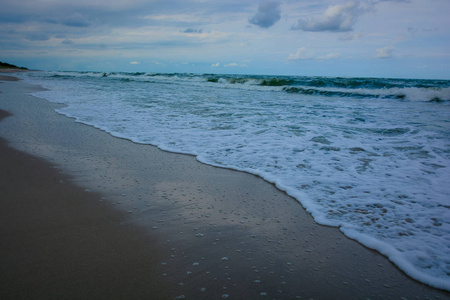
<point>354,38</point>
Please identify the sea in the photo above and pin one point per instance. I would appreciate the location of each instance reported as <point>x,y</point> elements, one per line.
<point>368,155</point>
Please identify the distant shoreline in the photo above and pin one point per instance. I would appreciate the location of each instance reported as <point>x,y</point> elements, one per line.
<point>11,70</point>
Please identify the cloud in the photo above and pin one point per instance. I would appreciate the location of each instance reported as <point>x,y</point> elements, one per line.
<point>243,64</point>
<point>303,54</point>
<point>192,30</point>
<point>385,52</point>
<point>406,1</point>
<point>268,14</point>
<point>216,65</point>
<point>75,20</point>
<point>134,63</point>
<point>299,55</point>
<point>337,18</point>
<point>85,34</point>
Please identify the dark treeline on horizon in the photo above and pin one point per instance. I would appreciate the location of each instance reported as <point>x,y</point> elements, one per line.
<point>4,65</point>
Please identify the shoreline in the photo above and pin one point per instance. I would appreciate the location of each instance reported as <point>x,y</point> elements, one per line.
<point>59,241</point>
<point>201,210</point>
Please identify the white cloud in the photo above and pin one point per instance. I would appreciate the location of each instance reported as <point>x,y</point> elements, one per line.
<point>337,18</point>
<point>299,55</point>
<point>268,14</point>
<point>303,54</point>
<point>216,65</point>
<point>134,63</point>
<point>385,52</point>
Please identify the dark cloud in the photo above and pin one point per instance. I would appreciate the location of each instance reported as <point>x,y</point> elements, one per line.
<point>268,14</point>
<point>79,13</point>
<point>37,36</point>
<point>40,20</point>
<point>62,25</point>
<point>76,20</point>
<point>337,18</point>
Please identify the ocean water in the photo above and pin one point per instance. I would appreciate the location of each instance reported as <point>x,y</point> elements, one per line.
<point>370,156</point>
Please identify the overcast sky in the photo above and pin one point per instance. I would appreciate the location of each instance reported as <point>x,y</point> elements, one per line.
<point>380,38</point>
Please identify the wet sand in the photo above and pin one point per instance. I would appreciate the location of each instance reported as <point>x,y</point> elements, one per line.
<point>8,78</point>
<point>170,226</point>
<point>60,242</point>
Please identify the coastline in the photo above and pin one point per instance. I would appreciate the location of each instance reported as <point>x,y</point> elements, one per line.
<point>201,214</point>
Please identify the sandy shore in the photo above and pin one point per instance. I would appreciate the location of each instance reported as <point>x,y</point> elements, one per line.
<point>8,78</point>
<point>132,221</point>
<point>60,242</point>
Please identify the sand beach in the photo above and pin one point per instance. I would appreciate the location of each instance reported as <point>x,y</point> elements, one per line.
<point>86,215</point>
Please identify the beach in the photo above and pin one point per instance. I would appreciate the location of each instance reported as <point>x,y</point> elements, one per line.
<point>88,215</point>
